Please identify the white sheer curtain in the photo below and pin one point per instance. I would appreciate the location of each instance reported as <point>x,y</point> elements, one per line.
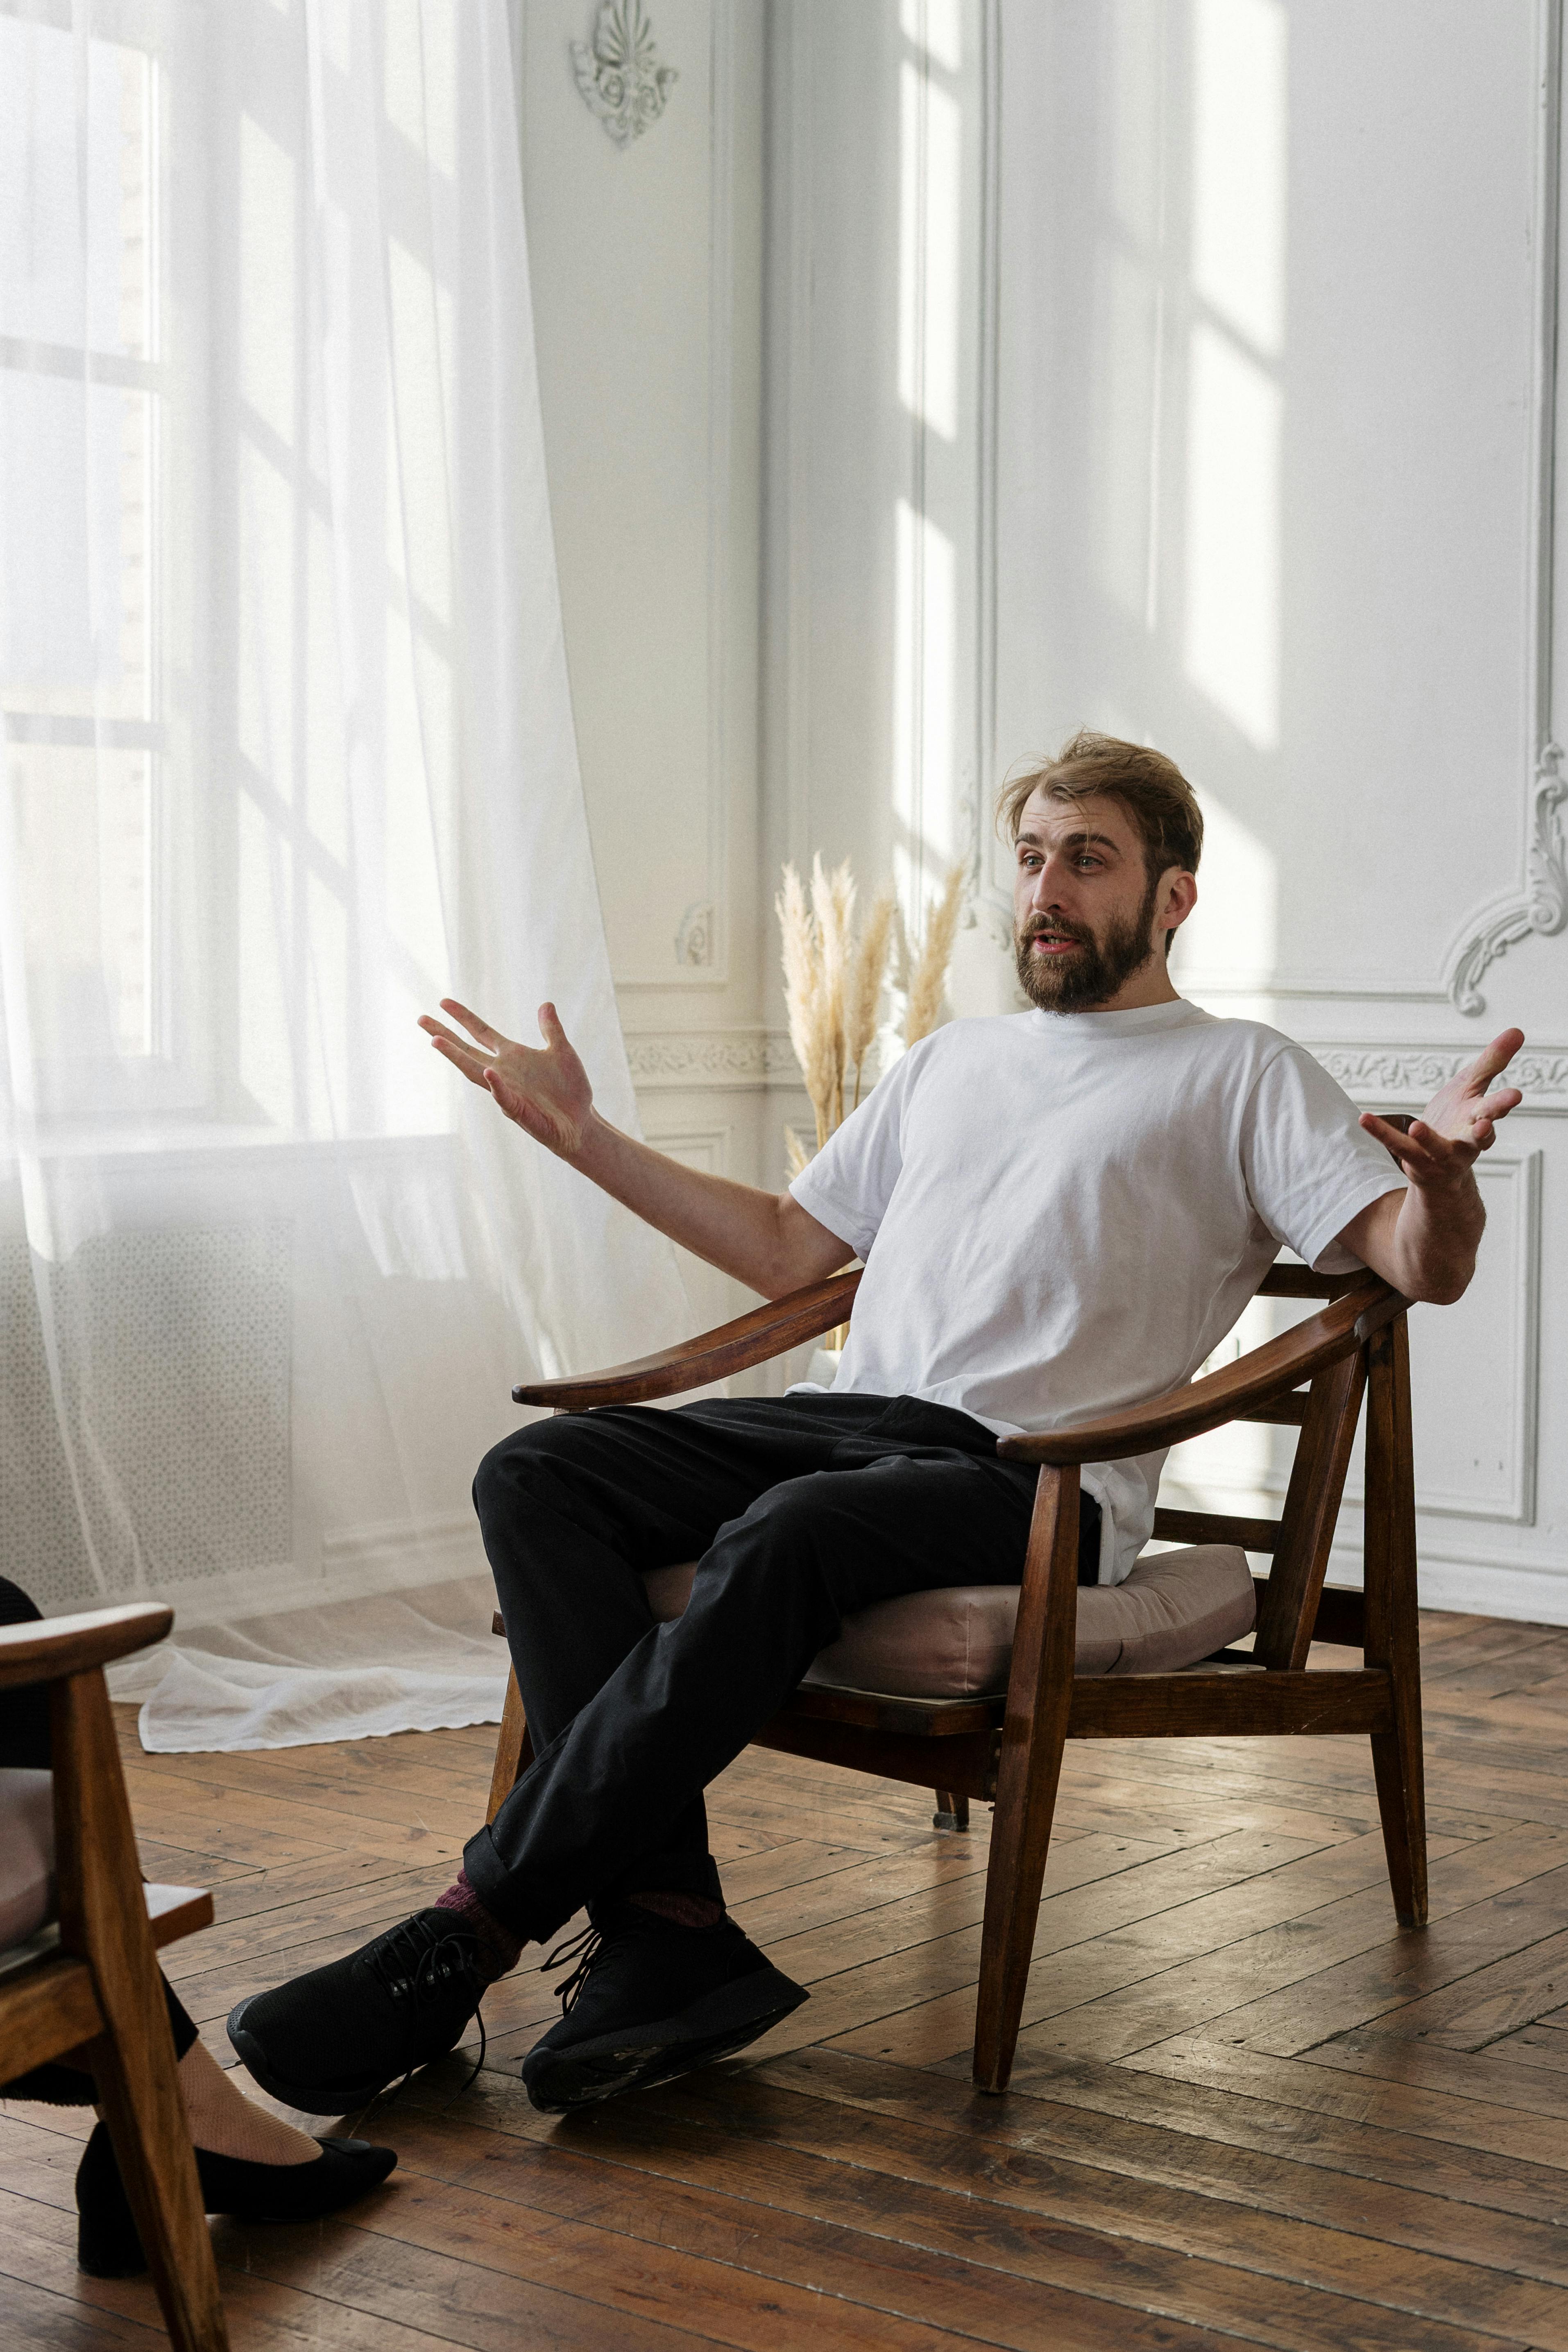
<point>289,754</point>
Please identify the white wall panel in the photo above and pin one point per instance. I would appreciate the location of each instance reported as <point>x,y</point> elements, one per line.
<point>1257,456</point>
<point>646,267</point>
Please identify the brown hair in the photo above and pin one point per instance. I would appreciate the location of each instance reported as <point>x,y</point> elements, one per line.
<point>1151,788</point>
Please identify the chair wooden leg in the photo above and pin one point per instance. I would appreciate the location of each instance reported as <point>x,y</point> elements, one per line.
<point>514,1749</point>
<point>951,1811</point>
<point>104,1922</point>
<point>1391,1629</point>
<point>1033,1733</point>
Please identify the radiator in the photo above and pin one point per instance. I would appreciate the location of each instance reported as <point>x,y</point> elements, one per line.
<point>174,1359</point>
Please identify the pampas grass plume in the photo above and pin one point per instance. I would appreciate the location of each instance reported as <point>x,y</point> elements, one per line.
<point>833,909</point>
<point>930,975</point>
<point>813,1029</point>
<point>862,989</point>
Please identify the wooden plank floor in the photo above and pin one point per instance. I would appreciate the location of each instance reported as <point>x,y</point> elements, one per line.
<point>1246,2107</point>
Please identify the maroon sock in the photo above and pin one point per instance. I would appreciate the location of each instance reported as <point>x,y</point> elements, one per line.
<point>685,1910</point>
<point>499,1949</point>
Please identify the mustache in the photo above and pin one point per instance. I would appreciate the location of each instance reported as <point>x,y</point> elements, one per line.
<point>1038,924</point>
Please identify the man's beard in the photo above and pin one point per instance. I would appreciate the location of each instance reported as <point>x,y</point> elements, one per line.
<point>1074,983</point>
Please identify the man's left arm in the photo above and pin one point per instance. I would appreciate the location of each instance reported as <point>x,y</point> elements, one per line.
<point>1423,1240</point>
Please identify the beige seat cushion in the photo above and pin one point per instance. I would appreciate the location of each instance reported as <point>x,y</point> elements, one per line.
<point>1174,1608</point>
<point>27,1852</point>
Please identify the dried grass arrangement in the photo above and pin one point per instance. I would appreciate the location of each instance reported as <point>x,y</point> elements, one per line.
<point>834,980</point>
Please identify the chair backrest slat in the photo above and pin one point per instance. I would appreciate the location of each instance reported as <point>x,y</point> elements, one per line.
<point>1215,1527</point>
<point>1289,1608</point>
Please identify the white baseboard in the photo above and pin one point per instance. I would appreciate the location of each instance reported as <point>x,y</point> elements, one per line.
<point>1477,1585</point>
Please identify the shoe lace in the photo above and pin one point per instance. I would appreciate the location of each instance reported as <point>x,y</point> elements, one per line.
<point>584,1948</point>
<point>413,1958</point>
<point>411,1954</point>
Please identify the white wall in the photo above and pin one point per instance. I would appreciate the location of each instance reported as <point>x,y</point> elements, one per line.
<point>1183,367</point>
<point>1241,442</point>
<point>645,263</point>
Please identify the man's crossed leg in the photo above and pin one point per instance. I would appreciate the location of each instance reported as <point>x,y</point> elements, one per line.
<point>799,1512</point>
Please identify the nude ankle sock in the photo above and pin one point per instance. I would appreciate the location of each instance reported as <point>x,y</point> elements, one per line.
<point>226,2123</point>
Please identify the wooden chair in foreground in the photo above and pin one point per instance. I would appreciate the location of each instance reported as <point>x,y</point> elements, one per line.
<point>1007,1747</point>
<point>86,1987</point>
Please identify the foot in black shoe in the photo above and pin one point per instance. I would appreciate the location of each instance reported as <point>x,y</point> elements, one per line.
<point>649,2000</point>
<point>109,2246</point>
<point>332,2039</point>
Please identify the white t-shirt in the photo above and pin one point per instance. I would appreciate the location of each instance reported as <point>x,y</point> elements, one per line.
<point>1062,1214</point>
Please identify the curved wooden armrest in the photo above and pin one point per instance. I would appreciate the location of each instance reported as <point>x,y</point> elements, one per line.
<point>48,1648</point>
<point>1269,1372</point>
<point>768,1330</point>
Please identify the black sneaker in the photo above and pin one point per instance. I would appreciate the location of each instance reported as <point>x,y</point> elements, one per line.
<point>648,2001</point>
<point>333,2038</point>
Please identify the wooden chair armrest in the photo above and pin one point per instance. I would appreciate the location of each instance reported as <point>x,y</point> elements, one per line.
<point>48,1648</point>
<point>1269,1372</point>
<point>176,1911</point>
<point>768,1330</point>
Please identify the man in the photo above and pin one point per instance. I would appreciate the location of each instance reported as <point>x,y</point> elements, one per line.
<point>1061,1213</point>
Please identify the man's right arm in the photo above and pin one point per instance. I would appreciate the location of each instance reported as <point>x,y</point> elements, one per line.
<point>765,1240</point>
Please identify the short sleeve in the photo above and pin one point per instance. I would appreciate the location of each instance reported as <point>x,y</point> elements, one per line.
<point>1310,1168</point>
<point>849,1183</point>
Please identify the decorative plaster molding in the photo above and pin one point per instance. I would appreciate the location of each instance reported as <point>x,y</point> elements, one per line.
<point>620,77</point>
<point>1542,906</point>
<point>990,892</point>
<point>1400,1074</point>
<point>699,945</point>
<point>1391,1073</point>
<point>694,939</point>
<point>707,1057</point>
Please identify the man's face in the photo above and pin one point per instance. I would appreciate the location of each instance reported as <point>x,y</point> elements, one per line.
<point>1083,904</point>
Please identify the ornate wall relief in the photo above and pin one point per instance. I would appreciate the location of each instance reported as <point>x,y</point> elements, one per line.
<point>619,75</point>
<point>1540,908</point>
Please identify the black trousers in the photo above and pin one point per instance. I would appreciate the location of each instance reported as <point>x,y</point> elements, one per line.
<point>798,1511</point>
<point>25,1743</point>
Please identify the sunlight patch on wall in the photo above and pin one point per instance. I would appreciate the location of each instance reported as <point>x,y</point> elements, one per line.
<point>1232,648</point>
<point>1240,130</point>
<point>1124,476</point>
<point>931,148</point>
<point>924,654</point>
<point>937,27</point>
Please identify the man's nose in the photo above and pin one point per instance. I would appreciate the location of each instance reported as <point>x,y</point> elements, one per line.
<point>1045,895</point>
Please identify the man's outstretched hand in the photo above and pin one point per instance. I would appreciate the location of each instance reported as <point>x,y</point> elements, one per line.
<point>1423,1240</point>
<point>1460,1121</point>
<point>545,1091</point>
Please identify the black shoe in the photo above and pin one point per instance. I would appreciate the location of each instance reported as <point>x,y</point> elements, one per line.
<point>109,2246</point>
<point>332,2039</point>
<point>649,2000</point>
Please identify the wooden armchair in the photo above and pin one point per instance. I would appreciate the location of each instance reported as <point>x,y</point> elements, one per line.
<point>89,1989</point>
<point>1007,1747</point>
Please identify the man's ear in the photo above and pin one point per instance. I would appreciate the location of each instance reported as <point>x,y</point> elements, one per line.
<point>1181,896</point>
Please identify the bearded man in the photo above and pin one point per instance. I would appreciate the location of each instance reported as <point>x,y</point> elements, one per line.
<point>1061,1212</point>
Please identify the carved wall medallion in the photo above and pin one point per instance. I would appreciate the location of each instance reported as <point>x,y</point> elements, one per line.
<point>1543,906</point>
<point>694,939</point>
<point>620,77</point>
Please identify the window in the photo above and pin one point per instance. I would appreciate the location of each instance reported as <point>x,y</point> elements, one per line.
<point>82,402</point>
